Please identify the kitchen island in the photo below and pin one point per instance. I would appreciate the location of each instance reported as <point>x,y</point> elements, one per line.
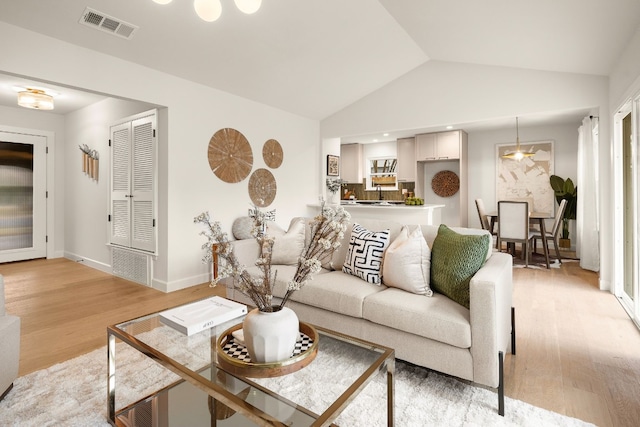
<point>427,214</point>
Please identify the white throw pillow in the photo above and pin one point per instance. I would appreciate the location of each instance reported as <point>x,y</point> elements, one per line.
<point>407,263</point>
<point>365,254</point>
<point>288,246</point>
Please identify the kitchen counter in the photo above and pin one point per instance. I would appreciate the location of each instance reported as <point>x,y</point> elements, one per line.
<point>427,214</point>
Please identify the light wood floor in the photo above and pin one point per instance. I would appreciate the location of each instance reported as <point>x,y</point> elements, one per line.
<point>577,351</point>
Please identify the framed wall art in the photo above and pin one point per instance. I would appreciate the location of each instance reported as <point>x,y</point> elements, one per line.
<point>333,165</point>
<point>528,178</point>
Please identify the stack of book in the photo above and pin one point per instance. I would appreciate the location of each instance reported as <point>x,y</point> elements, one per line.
<point>198,316</point>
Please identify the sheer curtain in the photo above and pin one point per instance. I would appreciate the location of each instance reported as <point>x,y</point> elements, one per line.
<point>588,249</point>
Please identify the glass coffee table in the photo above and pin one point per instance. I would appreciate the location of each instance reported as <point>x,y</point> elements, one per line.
<point>207,394</point>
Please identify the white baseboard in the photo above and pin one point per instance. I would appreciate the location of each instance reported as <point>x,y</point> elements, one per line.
<point>106,268</point>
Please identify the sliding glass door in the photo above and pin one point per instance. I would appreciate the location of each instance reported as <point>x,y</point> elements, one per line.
<point>22,196</point>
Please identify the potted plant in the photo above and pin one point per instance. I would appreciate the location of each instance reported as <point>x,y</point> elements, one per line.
<point>564,189</point>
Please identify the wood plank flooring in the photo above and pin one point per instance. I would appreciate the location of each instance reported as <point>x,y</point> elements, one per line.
<point>65,307</point>
<point>578,353</point>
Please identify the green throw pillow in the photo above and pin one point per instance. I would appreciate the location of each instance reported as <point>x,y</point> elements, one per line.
<point>455,258</point>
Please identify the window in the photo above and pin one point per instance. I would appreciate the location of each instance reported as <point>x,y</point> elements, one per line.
<point>382,174</point>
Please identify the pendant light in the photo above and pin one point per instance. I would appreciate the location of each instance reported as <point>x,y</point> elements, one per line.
<point>210,10</point>
<point>248,6</point>
<point>518,154</point>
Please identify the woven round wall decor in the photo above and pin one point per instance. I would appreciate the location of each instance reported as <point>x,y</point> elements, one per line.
<point>262,188</point>
<point>230,155</point>
<point>272,153</point>
<point>445,183</point>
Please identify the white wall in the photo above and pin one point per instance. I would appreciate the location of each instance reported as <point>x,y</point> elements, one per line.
<point>440,93</point>
<point>194,113</point>
<point>482,160</point>
<point>87,200</point>
<point>624,86</point>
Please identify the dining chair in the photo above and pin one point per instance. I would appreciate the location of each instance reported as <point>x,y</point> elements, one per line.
<point>554,234</point>
<point>484,221</point>
<point>513,226</point>
<point>482,214</point>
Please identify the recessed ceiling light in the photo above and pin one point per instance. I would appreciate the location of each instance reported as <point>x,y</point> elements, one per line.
<point>385,134</point>
<point>375,140</point>
<point>449,127</point>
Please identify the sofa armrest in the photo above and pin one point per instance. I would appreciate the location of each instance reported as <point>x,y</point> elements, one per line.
<point>2,302</point>
<point>491,293</point>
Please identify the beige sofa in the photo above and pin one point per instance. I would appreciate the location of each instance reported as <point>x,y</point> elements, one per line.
<point>434,332</point>
<point>9,346</point>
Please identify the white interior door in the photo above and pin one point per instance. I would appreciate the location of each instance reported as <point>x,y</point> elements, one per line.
<point>23,203</point>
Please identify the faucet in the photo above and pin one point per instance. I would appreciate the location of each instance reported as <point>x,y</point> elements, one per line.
<point>379,188</point>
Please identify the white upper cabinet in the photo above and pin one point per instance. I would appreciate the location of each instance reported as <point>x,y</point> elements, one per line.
<point>438,146</point>
<point>406,159</point>
<point>351,163</point>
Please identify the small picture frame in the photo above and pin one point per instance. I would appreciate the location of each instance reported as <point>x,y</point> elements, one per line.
<point>333,165</point>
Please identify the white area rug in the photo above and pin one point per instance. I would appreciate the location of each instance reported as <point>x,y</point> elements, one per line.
<point>74,393</point>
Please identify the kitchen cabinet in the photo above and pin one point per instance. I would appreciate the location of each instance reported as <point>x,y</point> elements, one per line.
<point>351,163</point>
<point>439,146</point>
<point>437,152</point>
<point>406,148</point>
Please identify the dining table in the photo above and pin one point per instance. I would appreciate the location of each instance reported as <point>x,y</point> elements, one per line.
<point>534,217</point>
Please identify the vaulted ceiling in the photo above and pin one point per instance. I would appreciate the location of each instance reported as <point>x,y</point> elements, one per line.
<point>313,58</point>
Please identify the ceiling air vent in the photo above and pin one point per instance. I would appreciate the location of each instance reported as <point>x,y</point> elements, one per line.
<point>103,22</point>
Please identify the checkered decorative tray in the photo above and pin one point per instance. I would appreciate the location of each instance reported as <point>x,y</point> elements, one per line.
<point>234,357</point>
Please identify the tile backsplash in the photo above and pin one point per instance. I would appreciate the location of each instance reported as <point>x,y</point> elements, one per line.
<point>358,190</point>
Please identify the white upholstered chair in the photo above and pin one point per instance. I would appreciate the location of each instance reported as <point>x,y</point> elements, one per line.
<point>554,234</point>
<point>513,226</point>
<point>9,346</point>
<point>484,220</point>
<point>482,214</point>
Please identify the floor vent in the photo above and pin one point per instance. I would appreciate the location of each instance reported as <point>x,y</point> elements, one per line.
<point>103,22</point>
<point>131,265</point>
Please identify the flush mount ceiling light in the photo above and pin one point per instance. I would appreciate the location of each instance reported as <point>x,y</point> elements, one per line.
<point>518,154</point>
<point>210,10</point>
<point>37,99</point>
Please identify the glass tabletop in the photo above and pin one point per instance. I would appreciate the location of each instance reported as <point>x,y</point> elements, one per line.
<point>315,395</point>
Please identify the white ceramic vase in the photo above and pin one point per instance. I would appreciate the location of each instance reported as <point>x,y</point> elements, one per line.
<point>270,336</point>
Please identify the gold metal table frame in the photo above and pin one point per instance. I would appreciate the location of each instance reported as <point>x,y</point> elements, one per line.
<point>382,359</point>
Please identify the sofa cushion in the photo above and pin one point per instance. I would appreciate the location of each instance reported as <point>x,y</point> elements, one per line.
<point>242,228</point>
<point>338,292</point>
<point>437,318</point>
<point>284,274</point>
<point>340,254</point>
<point>430,233</point>
<point>455,258</point>
<point>288,246</point>
<point>365,254</point>
<point>407,262</point>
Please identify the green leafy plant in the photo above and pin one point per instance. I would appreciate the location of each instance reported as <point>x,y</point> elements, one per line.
<point>565,190</point>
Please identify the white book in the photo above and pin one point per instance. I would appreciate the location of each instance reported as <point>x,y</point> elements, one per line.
<point>198,316</point>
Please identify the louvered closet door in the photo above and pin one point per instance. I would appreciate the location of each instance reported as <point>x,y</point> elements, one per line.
<point>133,184</point>
<point>143,231</point>
<point>120,184</point>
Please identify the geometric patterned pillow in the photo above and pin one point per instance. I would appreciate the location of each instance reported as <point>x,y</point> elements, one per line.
<point>365,254</point>
<point>455,258</point>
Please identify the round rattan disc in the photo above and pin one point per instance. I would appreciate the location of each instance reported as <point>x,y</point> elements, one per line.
<point>230,155</point>
<point>445,183</point>
<point>272,153</point>
<point>262,188</point>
